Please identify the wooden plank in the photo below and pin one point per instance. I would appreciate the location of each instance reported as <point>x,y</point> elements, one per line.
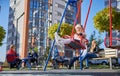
<point>111,53</point>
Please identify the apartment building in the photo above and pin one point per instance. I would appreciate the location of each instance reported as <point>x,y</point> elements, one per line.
<point>29,21</point>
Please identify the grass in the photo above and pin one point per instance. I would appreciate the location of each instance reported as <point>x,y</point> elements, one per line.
<point>25,68</point>
<point>50,68</point>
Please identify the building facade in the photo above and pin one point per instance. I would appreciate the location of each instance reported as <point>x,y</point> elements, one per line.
<point>38,24</point>
<point>56,9</point>
<point>27,25</point>
<point>16,24</point>
<point>116,33</point>
<point>29,21</point>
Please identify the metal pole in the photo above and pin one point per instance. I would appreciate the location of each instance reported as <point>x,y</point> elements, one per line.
<point>87,14</point>
<point>54,39</point>
<point>110,21</point>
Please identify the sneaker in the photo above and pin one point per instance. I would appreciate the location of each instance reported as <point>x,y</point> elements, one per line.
<point>86,68</point>
<point>57,37</point>
<point>69,67</point>
<point>59,40</point>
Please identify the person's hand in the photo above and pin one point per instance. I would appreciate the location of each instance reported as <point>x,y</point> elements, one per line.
<point>98,55</point>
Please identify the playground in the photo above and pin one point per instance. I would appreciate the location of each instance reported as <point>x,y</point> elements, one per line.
<point>107,63</point>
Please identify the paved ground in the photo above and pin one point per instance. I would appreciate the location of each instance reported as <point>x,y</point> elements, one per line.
<point>65,72</point>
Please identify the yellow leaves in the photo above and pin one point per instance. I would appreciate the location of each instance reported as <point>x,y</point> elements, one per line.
<point>64,30</point>
<point>101,20</point>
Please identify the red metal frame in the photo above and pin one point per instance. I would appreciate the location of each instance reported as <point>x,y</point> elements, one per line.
<point>105,40</point>
<point>87,15</point>
<point>110,27</point>
<point>110,21</point>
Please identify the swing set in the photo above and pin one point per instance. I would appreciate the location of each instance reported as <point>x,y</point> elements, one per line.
<point>74,44</point>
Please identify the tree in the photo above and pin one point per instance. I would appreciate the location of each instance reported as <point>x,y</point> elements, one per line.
<point>64,30</point>
<point>101,20</point>
<point>2,34</point>
<point>93,37</point>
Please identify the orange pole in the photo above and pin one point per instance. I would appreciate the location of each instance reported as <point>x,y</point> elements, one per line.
<point>25,30</point>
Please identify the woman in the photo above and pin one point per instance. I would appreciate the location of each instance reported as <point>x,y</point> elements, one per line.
<point>12,57</point>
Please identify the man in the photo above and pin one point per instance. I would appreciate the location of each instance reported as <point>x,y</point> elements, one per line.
<point>12,57</point>
<point>91,54</point>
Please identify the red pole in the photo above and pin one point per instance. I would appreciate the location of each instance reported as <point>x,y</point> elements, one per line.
<point>77,15</point>
<point>87,15</point>
<point>110,21</point>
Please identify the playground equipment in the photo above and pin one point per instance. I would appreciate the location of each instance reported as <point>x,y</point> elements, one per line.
<point>110,38</point>
<point>82,54</point>
<point>70,2</point>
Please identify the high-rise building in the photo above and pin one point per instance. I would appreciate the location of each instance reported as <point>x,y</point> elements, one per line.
<point>56,9</point>
<point>30,19</point>
<point>116,33</point>
<point>16,24</point>
<point>27,25</point>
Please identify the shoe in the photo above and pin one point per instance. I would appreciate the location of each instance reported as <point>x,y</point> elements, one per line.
<point>57,36</point>
<point>86,68</point>
<point>69,67</point>
<point>59,40</point>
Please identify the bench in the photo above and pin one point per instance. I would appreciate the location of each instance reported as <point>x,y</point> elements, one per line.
<point>111,53</point>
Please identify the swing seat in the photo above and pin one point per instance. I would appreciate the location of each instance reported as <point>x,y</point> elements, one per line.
<point>75,44</point>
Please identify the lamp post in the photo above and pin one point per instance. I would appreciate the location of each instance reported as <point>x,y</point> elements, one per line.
<point>17,29</point>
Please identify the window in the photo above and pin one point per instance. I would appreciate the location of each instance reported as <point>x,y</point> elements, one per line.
<point>59,14</point>
<point>14,1</point>
<point>59,5</point>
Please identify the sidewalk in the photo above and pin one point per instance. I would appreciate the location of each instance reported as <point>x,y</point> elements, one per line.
<point>91,72</point>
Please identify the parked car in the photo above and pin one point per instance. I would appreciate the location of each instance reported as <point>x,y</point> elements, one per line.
<point>99,61</point>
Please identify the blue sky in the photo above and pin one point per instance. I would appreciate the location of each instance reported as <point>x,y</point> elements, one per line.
<point>97,5</point>
<point>4,22</point>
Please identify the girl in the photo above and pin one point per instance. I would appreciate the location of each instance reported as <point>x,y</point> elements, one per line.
<point>79,36</point>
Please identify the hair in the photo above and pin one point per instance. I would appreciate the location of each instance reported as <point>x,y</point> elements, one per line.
<point>12,46</point>
<point>78,25</point>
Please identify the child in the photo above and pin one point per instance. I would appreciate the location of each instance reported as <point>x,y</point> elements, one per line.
<point>78,36</point>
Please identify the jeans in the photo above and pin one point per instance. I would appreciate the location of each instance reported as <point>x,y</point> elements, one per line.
<point>86,58</point>
<point>72,61</point>
<point>89,55</point>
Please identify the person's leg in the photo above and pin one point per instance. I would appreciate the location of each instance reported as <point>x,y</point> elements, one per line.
<point>36,60</point>
<point>18,61</point>
<point>89,55</point>
<point>62,41</point>
<point>72,61</point>
<point>92,55</point>
<point>87,62</point>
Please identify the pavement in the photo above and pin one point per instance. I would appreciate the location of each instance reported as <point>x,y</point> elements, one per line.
<point>66,72</point>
